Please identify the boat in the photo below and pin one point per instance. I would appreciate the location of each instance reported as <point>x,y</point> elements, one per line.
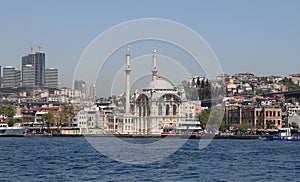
<point>15,131</point>
<point>187,128</point>
<point>284,134</point>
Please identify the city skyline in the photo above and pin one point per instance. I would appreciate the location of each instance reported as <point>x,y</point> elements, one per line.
<point>251,36</point>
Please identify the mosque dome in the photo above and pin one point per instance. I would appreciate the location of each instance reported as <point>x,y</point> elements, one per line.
<point>160,84</point>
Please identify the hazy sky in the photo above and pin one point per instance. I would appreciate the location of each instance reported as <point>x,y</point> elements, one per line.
<point>259,36</point>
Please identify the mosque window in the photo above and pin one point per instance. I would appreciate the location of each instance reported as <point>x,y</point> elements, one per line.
<point>174,109</point>
<point>140,111</point>
<point>167,110</point>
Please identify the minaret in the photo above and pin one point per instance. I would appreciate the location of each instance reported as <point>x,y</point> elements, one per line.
<point>127,71</point>
<point>154,70</point>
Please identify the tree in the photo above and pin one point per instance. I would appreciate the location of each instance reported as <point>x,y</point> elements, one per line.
<point>198,82</point>
<point>48,119</point>
<point>9,111</point>
<point>202,83</point>
<point>244,126</point>
<point>67,113</point>
<point>203,117</point>
<point>213,119</point>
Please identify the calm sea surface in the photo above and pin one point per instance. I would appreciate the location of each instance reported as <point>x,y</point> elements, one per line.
<point>73,159</point>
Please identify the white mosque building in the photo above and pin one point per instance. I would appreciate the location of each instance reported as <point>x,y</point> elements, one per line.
<point>158,106</point>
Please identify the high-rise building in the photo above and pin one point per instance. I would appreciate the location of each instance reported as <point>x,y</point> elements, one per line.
<point>51,77</point>
<point>11,77</point>
<point>79,85</point>
<point>37,60</point>
<point>28,75</point>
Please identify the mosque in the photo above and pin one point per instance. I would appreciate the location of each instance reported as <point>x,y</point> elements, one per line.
<point>160,105</point>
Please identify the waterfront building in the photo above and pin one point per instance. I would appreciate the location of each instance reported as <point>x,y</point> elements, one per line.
<point>268,117</point>
<point>90,121</point>
<point>28,75</point>
<point>37,60</point>
<point>51,77</point>
<point>11,77</point>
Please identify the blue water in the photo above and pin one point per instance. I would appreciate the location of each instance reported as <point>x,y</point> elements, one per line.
<point>73,159</point>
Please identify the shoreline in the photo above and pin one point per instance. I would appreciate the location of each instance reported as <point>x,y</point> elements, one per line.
<point>233,137</point>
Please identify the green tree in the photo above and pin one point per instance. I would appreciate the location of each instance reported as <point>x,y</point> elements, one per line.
<point>7,110</point>
<point>48,119</point>
<point>212,119</point>
<point>244,126</point>
<point>203,117</point>
<point>67,113</point>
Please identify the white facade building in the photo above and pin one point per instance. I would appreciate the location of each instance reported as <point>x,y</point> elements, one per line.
<point>90,121</point>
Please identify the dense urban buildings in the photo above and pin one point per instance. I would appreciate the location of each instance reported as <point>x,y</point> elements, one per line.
<point>258,103</point>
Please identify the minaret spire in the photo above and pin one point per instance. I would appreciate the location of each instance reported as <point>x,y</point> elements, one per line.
<point>154,70</point>
<point>127,71</point>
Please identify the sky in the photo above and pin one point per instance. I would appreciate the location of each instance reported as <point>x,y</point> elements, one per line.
<point>259,36</point>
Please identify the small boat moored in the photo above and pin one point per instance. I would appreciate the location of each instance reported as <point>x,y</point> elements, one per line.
<point>284,134</point>
<point>15,131</point>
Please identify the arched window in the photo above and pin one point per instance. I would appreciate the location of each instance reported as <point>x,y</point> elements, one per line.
<point>174,109</point>
<point>159,109</point>
<point>140,111</point>
<point>167,110</point>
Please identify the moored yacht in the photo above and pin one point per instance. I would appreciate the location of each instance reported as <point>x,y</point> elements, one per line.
<point>16,130</point>
<point>189,127</point>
